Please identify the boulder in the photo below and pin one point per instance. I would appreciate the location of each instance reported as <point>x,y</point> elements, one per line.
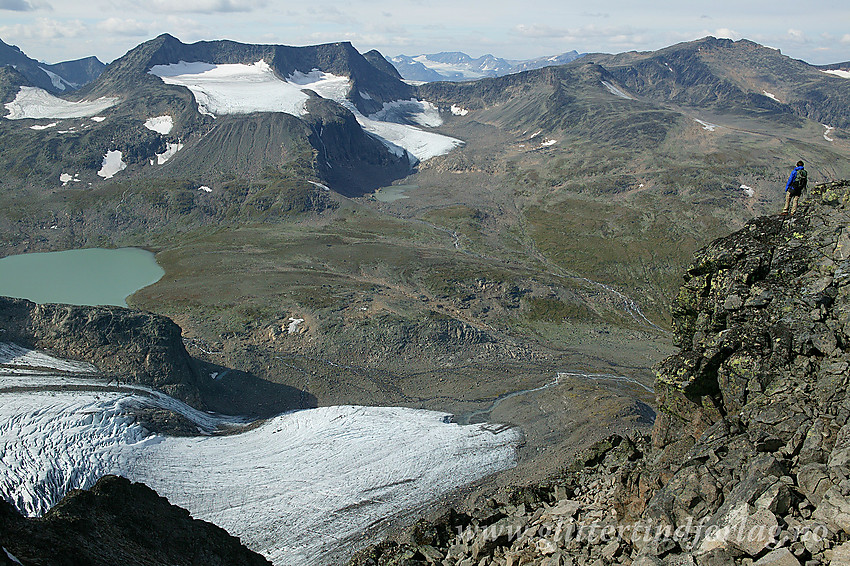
<point>840,455</point>
<point>778,557</point>
<point>813,481</point>
<point>742,528</point>
<point>834,510</point>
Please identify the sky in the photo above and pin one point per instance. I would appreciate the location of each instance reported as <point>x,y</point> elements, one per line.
<point>817,31</point>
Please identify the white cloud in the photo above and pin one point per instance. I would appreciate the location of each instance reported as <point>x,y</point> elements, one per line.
<point>331,14</point>
<point>540,31</point>
<point>16,5</point>
<point>204,6</point>
<point>44,29</point>
<point>726,33</point>
<point>187,29</point>
<point>574,34</point>
<point>118,26</point>
<point>846,38</point>
<point>601,38</point>
<point>797,35</point>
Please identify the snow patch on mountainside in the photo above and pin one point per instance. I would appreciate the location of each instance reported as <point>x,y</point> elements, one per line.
<point>839,73</point>
<point>616,91</point>
<point>706,125</point>
<point>828,130</point>
<point>112,164</point>
<point>170,151</point>
<point>43,126</point>
<point>294,488</point>
<point>57,81</point>
<point>13,355</point>
<point>32,102</point>
<point>160,124</point>
<point>66,178</point>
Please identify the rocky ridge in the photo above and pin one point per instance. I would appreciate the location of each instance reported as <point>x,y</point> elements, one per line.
<point>135,346</point>
<point>748,459</point>
<point>117,522</point>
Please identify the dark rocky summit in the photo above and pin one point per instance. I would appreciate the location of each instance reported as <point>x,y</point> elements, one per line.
<point>748,459</point>
<point>136,346</point>
<point>117,522</point>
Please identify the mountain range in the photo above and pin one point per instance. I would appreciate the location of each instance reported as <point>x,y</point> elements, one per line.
<point>56,78</point>
<point>457,66</point>
<point>504,249</point>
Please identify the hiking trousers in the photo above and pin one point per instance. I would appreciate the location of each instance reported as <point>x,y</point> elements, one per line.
<point>791,199</point>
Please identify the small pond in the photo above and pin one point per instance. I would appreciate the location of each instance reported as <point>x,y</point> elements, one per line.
<point>393,192</point>
<point>91,276</point>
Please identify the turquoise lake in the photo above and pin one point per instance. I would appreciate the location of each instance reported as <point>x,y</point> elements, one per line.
<point>79,277</point>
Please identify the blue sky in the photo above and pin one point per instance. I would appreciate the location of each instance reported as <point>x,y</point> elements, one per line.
<point>55,30</point>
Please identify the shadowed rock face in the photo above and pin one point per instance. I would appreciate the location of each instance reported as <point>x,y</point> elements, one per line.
<point>137,346</point>
<point>752,437</point>
<point>118,522</point>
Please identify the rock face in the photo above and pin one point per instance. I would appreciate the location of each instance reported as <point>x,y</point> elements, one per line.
<point>748,460</point>
<point>135,346</point>
<point>117,522</point>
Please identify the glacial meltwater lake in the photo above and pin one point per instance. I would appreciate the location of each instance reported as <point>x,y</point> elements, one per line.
<point>393,192</point>
<point>91,276</point>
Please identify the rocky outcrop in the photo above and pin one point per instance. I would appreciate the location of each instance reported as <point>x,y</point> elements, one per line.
<point>135,346</point>
<point>117,522</point>
<point>748,460</point>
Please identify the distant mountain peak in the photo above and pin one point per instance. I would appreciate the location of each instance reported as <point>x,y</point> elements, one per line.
<point>56,78</point>
<point>458,66</point>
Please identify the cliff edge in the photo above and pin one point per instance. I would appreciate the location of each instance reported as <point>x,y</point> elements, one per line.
<point>749,459</point>
<point>136,346</point>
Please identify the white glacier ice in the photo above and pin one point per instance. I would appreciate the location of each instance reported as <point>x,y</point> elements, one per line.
<point>234,88</point>
<point>240,89</point>
<point>296,488</point>
<point>13,355</point>
<point>32,102</point>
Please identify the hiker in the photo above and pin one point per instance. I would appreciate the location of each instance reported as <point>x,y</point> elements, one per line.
<point>794,188</point>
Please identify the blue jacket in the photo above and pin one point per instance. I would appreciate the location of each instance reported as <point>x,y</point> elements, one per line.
<point>792,177</point>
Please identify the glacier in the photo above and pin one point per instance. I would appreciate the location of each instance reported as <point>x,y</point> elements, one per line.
<point>296,488</point>
<point>33,102</point>
<point>241,89</point>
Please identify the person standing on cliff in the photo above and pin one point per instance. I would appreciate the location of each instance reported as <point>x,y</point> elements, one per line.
<point>794,188</point>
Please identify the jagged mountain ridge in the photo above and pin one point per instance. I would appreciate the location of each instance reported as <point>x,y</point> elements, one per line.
<point>458,66</point>
<point>740,76</point>
<point>56,78</point>
<point>117,522</point>
<point>749,458</point>
<point>709,74</point>
<point>335,58</point>
<point>329,141</point>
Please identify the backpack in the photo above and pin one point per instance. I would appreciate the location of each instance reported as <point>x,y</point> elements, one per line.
<point>800,180</point>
